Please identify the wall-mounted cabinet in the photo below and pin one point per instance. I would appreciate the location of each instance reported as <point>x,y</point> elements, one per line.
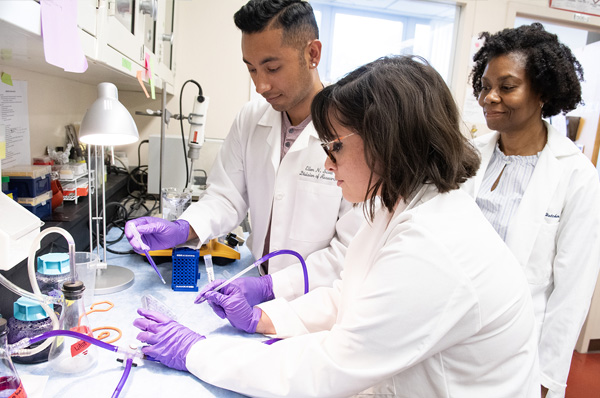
<point>117,37</point>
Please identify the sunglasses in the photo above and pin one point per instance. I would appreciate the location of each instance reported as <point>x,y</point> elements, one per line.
<point>336,145</point>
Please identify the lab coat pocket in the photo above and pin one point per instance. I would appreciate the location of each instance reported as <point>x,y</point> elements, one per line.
<point>540,265</point>
<point>316,211</point>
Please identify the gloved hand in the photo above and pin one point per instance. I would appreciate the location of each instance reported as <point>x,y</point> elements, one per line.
<point>230,303</point>
<point>256,290</point>
<point>157,233</point>
<point>169,341</point>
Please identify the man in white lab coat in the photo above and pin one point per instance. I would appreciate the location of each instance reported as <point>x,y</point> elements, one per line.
<point>271,163</point>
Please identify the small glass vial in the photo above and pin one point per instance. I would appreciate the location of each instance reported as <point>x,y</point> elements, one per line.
<point>68,355</point>
<point>10,383</point>
<point>29,320</point>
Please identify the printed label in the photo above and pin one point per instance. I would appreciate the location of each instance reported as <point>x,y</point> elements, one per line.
<point>19,392</point>
<point>81,346</point>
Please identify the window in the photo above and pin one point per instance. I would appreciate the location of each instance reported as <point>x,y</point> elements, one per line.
<point>355,32</point>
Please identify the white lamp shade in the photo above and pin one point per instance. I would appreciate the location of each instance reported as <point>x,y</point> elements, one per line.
<point>108,122</point>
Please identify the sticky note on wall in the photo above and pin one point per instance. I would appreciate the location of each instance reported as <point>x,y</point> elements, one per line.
<point>2,141</point>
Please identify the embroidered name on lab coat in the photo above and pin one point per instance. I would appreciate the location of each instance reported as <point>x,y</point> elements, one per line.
<point>317,173</point>
<point>552,215</point>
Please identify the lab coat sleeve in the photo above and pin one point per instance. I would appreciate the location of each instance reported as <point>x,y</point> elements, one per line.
<point>310,313</point>
<point>575,271</point>
<point>224,204</point>
<point>397,317</point>
<point>323,266</point>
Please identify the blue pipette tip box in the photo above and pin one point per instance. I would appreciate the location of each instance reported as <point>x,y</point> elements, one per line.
<point>185,269</point>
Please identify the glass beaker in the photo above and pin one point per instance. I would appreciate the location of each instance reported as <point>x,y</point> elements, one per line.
<point>10,383</point>
<point>174,203</point>
<point>68,355</point>
<point>86,264</point>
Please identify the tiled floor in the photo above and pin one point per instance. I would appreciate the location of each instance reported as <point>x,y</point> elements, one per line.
<point>584,377</point>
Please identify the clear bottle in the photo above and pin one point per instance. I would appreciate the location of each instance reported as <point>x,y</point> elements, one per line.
<point>69,355</point>
<point>10,383</point>
<point>53,269</point>
<point>29,320</point>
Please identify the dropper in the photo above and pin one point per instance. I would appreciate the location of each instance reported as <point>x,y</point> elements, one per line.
<point>145,249</point>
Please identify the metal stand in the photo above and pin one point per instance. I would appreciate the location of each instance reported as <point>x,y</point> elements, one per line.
<point>113,278</point>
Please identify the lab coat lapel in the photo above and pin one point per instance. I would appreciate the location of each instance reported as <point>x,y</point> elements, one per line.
<point>525,223</point>
<point>486,147</point>
<point>271,123</point>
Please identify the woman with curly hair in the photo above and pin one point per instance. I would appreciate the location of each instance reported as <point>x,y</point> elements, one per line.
<point>536,188</point>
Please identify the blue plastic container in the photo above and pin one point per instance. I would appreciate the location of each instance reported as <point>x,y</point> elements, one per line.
<point>28,187</point>
<point>41,210</point>
<point>185,269</point>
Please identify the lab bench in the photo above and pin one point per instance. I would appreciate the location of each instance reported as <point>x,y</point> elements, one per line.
<point>148,379</point>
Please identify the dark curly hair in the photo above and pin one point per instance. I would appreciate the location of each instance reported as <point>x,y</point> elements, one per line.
<point>410,126</point>
<point>295,17</point>
<point>551,67</point>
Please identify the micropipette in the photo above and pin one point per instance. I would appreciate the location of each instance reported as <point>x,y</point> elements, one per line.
<point>208,263</point>
<point>145,249</point>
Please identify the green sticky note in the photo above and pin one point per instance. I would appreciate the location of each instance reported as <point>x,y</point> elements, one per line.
<point>6,79</point>
<point>126,63</point>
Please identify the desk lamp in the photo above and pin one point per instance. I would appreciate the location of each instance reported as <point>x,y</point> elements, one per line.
<point>106,123</point>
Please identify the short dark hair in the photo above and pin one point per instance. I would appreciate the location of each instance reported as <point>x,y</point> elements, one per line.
<point>295,17</point>
<point>410,125</point>
<point>551,67</point>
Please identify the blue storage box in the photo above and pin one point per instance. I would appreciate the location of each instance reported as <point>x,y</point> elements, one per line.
<point>28,187</point>
<point>185,269</point>
<point>41,210</point>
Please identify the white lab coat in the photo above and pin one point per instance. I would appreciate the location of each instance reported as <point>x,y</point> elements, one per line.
<point>431,304</point>
<point>303,197</point>
<point>555,235</point>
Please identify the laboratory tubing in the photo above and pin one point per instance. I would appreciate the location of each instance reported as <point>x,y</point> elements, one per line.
<point>128,353</point>
<point>29,320</point>
<point>259,262</point>
<point>37,294</point>
<point>66,356</point>
<point>10,383</point>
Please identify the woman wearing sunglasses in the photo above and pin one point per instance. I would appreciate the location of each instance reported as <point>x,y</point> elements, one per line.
<point>431,302</point>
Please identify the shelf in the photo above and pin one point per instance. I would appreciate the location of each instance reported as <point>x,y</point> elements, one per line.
<point>22,47</point>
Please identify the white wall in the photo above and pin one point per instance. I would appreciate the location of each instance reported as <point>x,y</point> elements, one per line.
<point>208,51</point>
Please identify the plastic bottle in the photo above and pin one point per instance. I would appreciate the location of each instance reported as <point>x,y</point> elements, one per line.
<point>66,354</point>
<point>53,270</point>
<point>29,320</point>
<point>10,382</point>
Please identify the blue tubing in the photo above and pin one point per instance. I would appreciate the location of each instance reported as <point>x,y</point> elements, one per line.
<point>293,253</point>
<point>91,340</point>
<point>128,364</point>
<point>80,336</point>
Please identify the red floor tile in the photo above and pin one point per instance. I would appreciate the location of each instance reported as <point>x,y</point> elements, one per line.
<point>584,377</point>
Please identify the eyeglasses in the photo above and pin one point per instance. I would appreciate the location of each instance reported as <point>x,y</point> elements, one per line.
<point>336,146</point>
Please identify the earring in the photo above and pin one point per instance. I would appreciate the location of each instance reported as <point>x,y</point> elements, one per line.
<point>542,105</point>
<point>314,64</point>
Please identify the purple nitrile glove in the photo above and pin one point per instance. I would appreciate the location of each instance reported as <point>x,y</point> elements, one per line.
<point>230,303</point>
<point>157,233</point>
<point>256,290</point>
<point>169,341</point>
